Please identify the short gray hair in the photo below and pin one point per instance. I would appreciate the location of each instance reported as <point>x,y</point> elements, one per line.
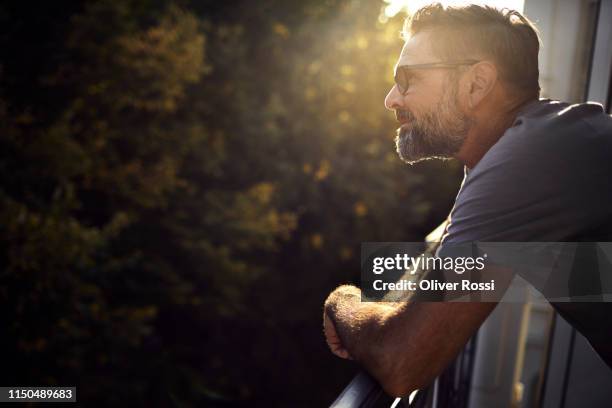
<point>506,37</point>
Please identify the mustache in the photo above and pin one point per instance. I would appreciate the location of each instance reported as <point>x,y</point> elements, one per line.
<point>403,115</point>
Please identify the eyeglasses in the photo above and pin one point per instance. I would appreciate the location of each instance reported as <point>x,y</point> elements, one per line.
<point>403,73</point>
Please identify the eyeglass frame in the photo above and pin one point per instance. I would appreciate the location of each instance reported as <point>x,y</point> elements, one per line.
<point>441,64</point>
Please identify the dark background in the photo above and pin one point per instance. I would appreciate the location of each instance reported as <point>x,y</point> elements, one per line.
<point>183,183</point>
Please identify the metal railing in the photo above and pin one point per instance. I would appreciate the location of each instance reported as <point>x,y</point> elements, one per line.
<point>364,392</point>
<point>450,389</point>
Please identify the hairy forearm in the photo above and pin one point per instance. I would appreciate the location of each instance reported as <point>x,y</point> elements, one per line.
<point>363,328</point>
<point>403,345</point>
<point>357,323</point>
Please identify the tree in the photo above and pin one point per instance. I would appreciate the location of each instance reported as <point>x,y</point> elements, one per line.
<point>183,183</point>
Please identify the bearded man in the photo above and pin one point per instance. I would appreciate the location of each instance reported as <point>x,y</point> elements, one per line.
<point>466,87</point>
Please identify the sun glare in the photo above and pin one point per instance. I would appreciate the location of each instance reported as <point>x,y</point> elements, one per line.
<point>393,7</point>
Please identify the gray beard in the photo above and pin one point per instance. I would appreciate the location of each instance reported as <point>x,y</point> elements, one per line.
<point>433,136</point>
<point>413,146</point>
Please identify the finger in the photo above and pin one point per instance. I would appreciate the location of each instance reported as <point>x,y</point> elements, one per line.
<point>342,353</point>
<point>333,340</point>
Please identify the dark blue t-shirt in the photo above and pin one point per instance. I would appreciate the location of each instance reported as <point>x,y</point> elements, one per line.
<point>548,179</point>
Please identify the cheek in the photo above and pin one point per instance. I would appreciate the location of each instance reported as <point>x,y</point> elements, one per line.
<point>426,95</point>
<point>462,99</point>
<point>422,103</point>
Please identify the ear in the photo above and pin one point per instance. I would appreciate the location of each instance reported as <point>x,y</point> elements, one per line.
<point>482,78</point>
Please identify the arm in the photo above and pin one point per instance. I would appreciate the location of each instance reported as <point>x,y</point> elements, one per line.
<point>407,344</point>
<point>404,346</point>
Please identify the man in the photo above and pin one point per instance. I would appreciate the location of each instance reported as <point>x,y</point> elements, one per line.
<point>536,170</point>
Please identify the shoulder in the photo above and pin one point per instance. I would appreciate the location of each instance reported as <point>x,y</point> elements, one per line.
<point>549,170</point>
<point>548,140</point>
<point>551,136</point>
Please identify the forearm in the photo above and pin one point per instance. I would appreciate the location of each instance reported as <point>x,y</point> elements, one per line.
<point>404,345</point>
<point>357,323</point>
<point>363,329</point>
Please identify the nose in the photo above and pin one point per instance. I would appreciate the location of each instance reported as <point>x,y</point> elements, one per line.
<point>394,99</point>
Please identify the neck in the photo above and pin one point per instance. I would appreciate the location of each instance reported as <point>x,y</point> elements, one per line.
<point>487,129</point>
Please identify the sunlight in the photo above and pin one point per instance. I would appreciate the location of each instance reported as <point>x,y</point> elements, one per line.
<point>393,7</point>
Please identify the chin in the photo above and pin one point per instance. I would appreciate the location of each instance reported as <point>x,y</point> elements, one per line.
<point>407,147</point>
<point>411,148</point>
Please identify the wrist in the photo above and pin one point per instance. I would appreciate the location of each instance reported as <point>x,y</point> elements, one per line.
<point>341,302</point>
<point>343,309</point>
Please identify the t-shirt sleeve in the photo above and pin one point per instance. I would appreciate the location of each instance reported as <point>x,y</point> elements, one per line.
<point>533,187</point>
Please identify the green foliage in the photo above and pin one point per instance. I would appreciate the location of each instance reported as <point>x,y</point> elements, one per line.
<point>182,184</point>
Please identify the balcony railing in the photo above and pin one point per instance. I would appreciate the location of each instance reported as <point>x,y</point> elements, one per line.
<point>364,392</point>
<point>450,389</point>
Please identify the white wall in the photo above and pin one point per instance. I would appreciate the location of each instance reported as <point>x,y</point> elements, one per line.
<point>566,29</point>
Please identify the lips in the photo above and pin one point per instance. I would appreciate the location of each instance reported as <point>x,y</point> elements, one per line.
<point>402,116</point>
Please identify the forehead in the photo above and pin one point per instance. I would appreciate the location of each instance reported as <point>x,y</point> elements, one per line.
<point>417,50</point>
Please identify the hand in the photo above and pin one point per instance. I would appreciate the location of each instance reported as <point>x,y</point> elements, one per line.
<point>333,341</point>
